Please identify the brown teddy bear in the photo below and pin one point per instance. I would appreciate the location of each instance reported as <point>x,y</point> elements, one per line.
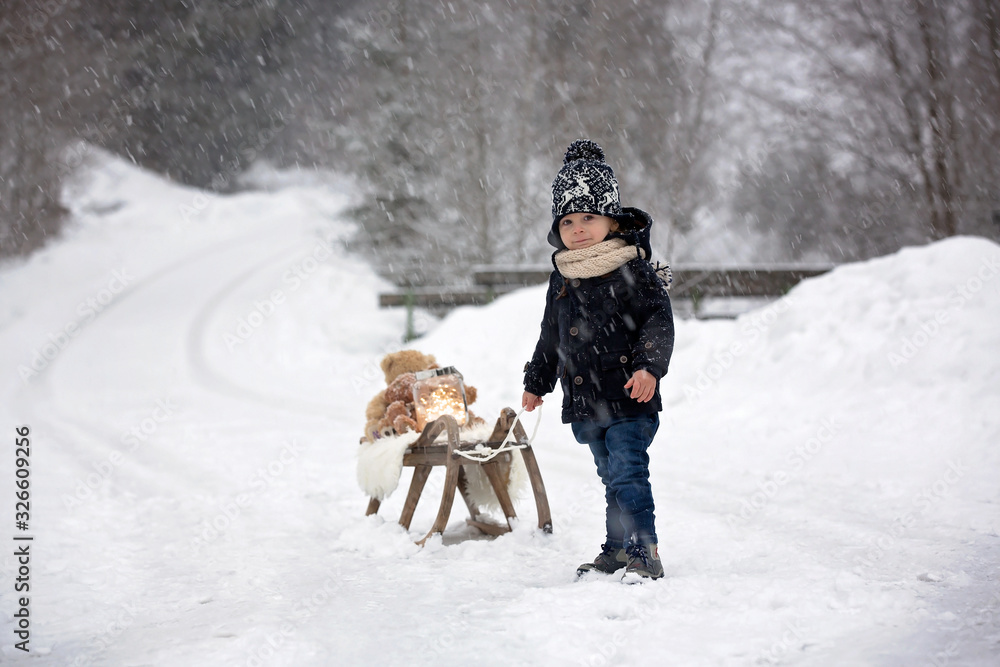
<point>391,411</point>
<point>401,389</point>
<point>393,365</point>
<point>399,416</point>
<point>374,412</point>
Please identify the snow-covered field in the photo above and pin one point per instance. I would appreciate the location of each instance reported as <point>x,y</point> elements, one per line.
<point>194,371</point>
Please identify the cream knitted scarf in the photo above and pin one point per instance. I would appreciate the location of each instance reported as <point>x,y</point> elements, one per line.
<point>598,259</point>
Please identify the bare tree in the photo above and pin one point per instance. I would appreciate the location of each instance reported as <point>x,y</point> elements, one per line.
<point>890,88</point>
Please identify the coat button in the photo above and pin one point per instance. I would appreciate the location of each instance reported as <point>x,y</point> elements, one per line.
<point>649,345</point>
<point>578,380</point>
<point>573,331</point>
<point>575,282</point>
<point>623,359</point>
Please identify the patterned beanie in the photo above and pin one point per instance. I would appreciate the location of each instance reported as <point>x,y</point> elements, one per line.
<point>585,184</point>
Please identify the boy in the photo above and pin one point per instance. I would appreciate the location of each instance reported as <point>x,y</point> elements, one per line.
<point>607,335</point>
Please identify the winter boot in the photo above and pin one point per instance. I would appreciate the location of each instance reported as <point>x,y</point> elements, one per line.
<point>643,562</point>
<point>610,560</point>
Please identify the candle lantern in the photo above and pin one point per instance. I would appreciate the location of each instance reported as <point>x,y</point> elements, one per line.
<point>439,391</point>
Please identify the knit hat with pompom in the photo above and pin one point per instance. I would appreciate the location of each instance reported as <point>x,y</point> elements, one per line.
<point>585,184</point>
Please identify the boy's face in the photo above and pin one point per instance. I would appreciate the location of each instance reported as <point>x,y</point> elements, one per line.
<point>582,230</point>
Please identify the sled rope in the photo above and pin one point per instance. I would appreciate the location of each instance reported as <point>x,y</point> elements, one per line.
<point>508,444</point>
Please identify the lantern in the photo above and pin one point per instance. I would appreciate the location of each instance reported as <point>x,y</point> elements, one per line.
<point>439,391</point>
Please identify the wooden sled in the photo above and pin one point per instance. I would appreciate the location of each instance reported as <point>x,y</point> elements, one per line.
<point>424,454</point>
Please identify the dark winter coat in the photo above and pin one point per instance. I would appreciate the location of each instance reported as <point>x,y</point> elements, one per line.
<point>596,332</point>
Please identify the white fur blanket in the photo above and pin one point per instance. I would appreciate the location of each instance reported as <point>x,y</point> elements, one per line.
<point>380,465</point>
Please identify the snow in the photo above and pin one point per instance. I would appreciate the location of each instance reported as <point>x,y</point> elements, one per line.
<point>825,472</point>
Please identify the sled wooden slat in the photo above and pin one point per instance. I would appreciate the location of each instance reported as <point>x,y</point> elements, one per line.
<point>463,483</point>
<point>421,457</point>
<point>538,490</point>
<point>420,475</point>
<point>424,454</point>
<point>447,499</point>
<point>494,529</point>
<point>492,471</point>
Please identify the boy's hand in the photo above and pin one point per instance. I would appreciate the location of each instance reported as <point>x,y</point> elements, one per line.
<point>529,401</point>
<point>643,386</point>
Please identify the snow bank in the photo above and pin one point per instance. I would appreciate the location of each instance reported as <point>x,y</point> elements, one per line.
<point>886,367</point>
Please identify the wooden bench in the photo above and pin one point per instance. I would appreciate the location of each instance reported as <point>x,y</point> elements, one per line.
<point>706,279</point>
<point>424,454</point>
<point>691,281</point>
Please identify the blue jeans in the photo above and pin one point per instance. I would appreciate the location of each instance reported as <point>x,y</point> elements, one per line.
<point>619,448</point>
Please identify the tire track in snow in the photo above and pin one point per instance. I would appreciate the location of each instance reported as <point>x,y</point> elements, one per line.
<point>91,441</point>
<point>215,380</point>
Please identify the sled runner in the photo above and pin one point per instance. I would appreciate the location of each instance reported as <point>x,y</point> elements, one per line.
<point>454,454</point>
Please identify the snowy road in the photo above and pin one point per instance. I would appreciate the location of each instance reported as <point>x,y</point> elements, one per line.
<point>825,474</point>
